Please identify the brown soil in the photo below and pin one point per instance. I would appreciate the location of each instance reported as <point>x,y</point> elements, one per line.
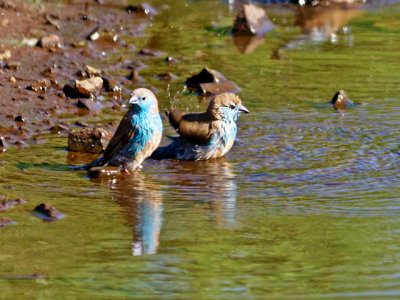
<point>33,77</point>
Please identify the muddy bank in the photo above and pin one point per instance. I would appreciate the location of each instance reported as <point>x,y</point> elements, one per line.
<point>46,48</point>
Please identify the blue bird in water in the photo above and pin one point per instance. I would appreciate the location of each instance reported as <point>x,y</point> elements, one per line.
<point>137,136</point>
<point>204,135</point>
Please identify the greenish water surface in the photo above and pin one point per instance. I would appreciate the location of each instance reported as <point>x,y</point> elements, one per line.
<point>305,205</point>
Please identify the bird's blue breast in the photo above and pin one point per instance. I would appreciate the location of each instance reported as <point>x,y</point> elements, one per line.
<point>145,125</point>
<point>220,142</point>
<point>226,134</point>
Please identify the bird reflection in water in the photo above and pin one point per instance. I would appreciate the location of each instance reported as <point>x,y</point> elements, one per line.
<point>224,191</point>
<point>322,23</point>
<point>141,200</point>
<point>247,44</point>
<point>211,182</point>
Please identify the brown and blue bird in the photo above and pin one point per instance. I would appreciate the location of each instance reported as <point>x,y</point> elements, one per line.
<point>137,136</point>
<point>204,135</point>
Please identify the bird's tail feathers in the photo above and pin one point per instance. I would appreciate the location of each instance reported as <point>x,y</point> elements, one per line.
<point>96,163</point>
<point>167,152</point>
<point>76,168</point>
<point>173,138</point>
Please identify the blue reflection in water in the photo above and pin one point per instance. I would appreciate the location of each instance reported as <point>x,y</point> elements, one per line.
<point>141,198</point>
<point>210,182</point>
<point>148,226</point>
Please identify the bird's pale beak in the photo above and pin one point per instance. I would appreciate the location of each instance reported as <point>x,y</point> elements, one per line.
<point>243,109</point>
<point>134,99</point>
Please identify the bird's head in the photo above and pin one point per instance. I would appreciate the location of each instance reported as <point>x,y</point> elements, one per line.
<point>226,106</point>
<point>144,99</point>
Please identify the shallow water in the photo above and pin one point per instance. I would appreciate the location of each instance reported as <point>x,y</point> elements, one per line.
<point>304,205</point>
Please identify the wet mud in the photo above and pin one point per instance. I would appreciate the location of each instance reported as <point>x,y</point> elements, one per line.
<point>44,57</point>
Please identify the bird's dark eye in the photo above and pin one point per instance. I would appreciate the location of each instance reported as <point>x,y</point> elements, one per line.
<point>232,106</point>
<point>143,98</point>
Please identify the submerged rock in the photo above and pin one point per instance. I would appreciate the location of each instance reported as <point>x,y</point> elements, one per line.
<point>144,8</point>
<point>341,102</point>
<point>88,140</point>
<point>219,87</point>
<point>134,76</point>
<point>5,222</point>
<point>212,82</point>
<point>136,65</point>
<point>19,143</point>
<point>170,60</point>
<point>7,204</point>
<point>166,76</point>
<point>47,212</point>
<point>251,20</point>
<point>149,52</point>
<point>59,128</point>
<point>205,75</point>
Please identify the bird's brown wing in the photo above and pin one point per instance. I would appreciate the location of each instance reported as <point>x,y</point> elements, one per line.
<point>193,127</point>
<point>121,138</point>
<point>175,117</point>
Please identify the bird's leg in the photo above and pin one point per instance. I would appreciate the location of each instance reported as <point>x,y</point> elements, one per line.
<point>125,170</point>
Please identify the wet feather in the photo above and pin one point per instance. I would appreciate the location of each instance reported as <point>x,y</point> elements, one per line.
<point>204,135</point>
<point>137,136</point>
